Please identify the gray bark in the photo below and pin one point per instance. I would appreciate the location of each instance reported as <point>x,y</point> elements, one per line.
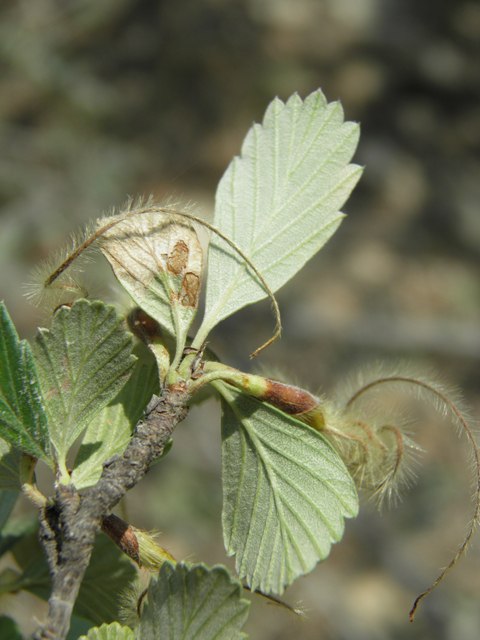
<point>69,523</point>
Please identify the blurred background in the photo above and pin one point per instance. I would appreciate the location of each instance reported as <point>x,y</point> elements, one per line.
<point>104,99</point>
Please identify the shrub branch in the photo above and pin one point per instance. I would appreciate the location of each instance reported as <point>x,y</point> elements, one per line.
<point>70,522</point>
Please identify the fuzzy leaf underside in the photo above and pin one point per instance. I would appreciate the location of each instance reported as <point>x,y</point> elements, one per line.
<point>110,432</point>
<point>23,421</point>
<point>280,200</point>
<point>286,493</point>
<point>194,602</point>
<point>114,631</point>
<point>83,362</point>
<point>159,262</point>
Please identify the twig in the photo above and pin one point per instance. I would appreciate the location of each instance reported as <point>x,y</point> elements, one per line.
<point>70,522</point>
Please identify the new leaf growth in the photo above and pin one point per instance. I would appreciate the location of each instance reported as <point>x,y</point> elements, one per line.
<point>290,461</point>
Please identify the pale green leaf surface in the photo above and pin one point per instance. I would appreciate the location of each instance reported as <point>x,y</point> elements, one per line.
<point>194,602</point>
<point>110,432</point>
<point>286,492</point>
<point>83,362</point>
<point>114,631</point>
<point>23,422</point>
<point>280,201</point>
<point>159,262</point>
<point>9,467</point>
<point>109,573</point>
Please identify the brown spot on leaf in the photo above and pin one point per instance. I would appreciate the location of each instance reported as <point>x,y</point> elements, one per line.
<point>66,385</point>
<point>178,257</point>
<point>52,392</point>
<point>190,290</point>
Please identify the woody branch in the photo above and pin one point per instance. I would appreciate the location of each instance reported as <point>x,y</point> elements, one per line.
<point>71,521</point>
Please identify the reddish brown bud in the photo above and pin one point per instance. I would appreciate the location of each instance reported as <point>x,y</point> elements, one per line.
<point>288,399</point>
<point>123,536</point>
<point>143,326</point>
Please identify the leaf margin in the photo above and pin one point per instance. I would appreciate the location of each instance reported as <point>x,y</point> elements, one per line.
<point>265,581</point>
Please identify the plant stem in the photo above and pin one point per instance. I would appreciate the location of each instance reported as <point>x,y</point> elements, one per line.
<point>69,523</point>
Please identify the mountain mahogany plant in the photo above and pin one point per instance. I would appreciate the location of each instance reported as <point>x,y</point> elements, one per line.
<point>291,462</point>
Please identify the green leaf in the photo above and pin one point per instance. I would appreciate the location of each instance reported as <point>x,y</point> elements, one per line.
<point>15,530</point>
<point>23,422</point>
<point>111,430</point>
<point>78,627</point>
<point>159,262</point>
<point>286,492</point>
<point>194,603</point>
<point>9,629</point>
<point>109,573</point>
<point>31,560</point>
<point>7,502</point>
<point>8,580</point>
<point>114,631</point>
<point>279,202</point>
<point>9,467</point>
<point>83,361</point>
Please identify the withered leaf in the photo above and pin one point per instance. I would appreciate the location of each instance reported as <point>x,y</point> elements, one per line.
<point>158,260</point>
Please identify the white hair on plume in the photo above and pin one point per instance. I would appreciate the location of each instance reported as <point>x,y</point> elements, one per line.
<point>55,281</point>
<point>359,398</point>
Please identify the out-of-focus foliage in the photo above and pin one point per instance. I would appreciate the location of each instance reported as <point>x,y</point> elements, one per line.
<point>103,99</point>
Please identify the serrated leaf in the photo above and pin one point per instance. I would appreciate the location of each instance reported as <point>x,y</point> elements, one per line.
<point>83,362</point>
<point>193,602</point>
<point>111,431</point>
<point>159,262</point>
<point>114,631</point>
<point>23,422</point>
<point>286,493</point>
<point>109,573</point>
<point>279,202</point>
<point>9,467</point>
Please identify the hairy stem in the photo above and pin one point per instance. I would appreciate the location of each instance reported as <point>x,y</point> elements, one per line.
<point>70,522</point>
